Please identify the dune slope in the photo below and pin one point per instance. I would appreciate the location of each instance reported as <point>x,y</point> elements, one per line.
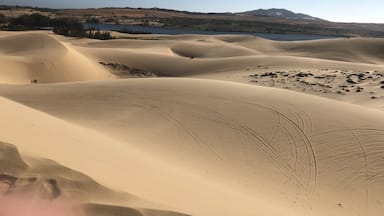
<point>119,165</point>
<point>289,149</point>
<point>38,56</point>
<point>34,175</point>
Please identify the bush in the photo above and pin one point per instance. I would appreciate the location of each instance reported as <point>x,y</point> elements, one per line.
<point>92,20</point>
<point>3,19</point>
<point>97,34</point>
<point>68,27</point>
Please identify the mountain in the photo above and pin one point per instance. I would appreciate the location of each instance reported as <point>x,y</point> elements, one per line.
<point>280,13</point>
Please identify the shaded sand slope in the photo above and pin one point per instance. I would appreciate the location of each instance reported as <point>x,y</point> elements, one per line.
<point>115,164</point>
<point>301,154</point>
<point>34,176</point>
<point>25,178</point>
<point>364,50</point>
<point>46,179</point>
<point>37,56</point>
<point>355,50</point>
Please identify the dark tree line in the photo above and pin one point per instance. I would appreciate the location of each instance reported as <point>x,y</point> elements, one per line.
<point>63,26</point>
<point>68,27</point>
<point>92,20</point>
<point>29,22</point>
<point>73,28</point>
<point>3,19</point>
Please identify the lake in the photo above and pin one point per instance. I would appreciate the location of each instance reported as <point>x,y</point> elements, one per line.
<point>170,31</point>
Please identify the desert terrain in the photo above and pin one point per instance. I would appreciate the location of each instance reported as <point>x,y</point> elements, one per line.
<point>221,125</point>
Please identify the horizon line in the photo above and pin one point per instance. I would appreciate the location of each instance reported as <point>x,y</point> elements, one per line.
<point>181,10</point>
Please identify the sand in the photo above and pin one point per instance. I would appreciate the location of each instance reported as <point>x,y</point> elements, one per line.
<point>191,125</point>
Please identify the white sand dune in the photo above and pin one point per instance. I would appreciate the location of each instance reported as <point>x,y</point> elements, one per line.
<point>192,146</point>
<point>350,50</point>
<point>36,56</point>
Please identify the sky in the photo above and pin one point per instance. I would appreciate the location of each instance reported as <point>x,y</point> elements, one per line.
<point>333,10</point>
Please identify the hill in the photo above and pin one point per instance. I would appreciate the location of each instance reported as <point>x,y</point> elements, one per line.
<point>280,13</point>
<point>287,23</point>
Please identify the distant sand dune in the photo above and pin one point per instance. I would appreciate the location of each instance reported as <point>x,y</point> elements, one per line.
<point>42,58</point>
<point>216,56</point>
<point>30,44</point>
<point>351,50</point>
<point>49,58</point>
<point>204,49</point>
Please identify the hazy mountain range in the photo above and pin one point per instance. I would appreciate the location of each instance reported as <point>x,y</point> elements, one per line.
<point>280,13</point>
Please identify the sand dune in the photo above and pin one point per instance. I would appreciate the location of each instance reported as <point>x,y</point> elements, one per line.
<point>122,166</point>
<point>331,63</point>
<point>197,55</point>
<point>222,145</point>
<point>273,150</point>
<point>37,56</point>
<point>351,50</point>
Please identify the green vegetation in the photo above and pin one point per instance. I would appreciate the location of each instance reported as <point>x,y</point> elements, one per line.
<point>92,20</point>
<point>68,27</point>
<point>128,31</point>
<point>97,34</point>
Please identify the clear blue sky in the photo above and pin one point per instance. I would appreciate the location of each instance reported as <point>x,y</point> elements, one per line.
<point>334,10</point>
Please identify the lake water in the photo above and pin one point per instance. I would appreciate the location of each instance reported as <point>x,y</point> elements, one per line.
<point>169,31</point>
